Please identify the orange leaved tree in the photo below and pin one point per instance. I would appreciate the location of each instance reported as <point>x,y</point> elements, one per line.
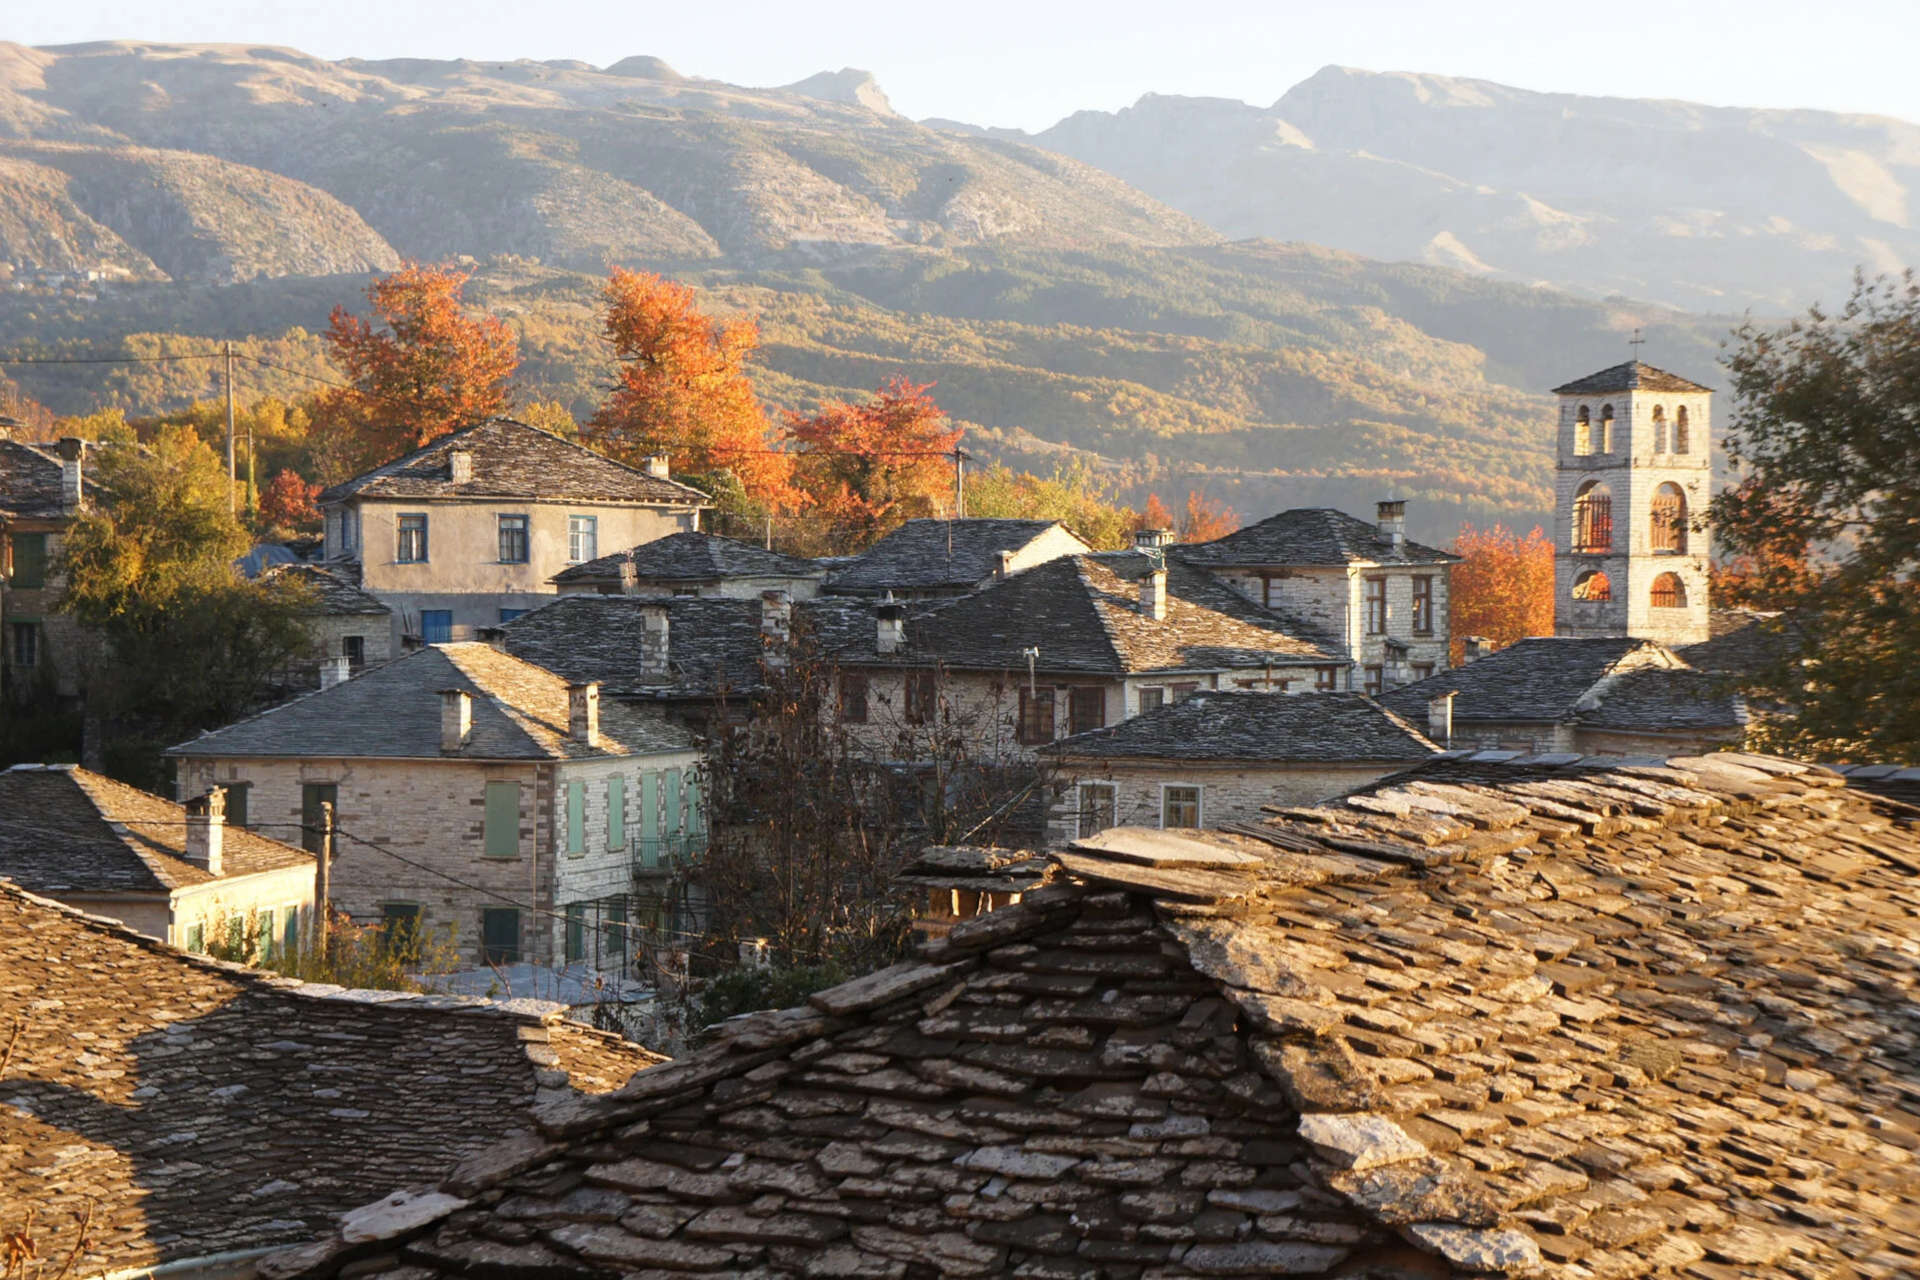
<point>287,503</point>
<point>683,388</point>
<point>420,365</point>
<point>868,468</point>
<point>1503,586</point>
<point>1203,520</point>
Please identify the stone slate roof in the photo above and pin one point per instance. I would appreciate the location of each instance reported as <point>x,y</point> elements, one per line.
<point>1631,376</point>
<point>186,1107</point>
<point>1477,1019</point>
<point>1257,727</point>
<point>976,868</point>
<point>924,555</point>
<point>1656,698</point>
<point>1889,781</point>
<point>1539,680</point>
<point>393,711</point>
<point>713,643</point>
<point>334,593</point>
<point>513,460</point>
<point>1083,614</point>
<point>1742,642</point>
<point>1309,536</point>
<point>30,481</point>
<point>692,557</point>
<point>67,830</point>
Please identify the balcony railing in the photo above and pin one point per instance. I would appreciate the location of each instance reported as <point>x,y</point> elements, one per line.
<point>665,853</point>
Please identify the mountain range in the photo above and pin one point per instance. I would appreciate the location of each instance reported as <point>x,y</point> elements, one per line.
<point>1363,288</point>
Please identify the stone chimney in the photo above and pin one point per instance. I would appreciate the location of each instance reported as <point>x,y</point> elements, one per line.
<point>460,466</point>
<point>1152,539</point>
<point>1440,718</point>
<point>334,671</point>
<point>656,466</point>
<point>583,713</point>
<point>207,831</point>
<point>456,720</point>
<point>70,449</point>
<point>629,575</point>
<point>1153,595</point>
<point>776,626</point>
<point>1393,522</point>
<point>1473,648</point>
<point>1005,568</point>
<point>891,623</point>
<point>653,644</point>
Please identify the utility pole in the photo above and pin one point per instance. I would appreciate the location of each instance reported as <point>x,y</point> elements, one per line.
<point>959,483</point>
<point>231,501</point>
<point>323,881</point>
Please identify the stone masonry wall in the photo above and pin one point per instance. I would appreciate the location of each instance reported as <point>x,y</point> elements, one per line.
<point>1227,793</point>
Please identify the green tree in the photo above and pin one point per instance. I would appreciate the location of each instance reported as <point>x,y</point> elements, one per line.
<point>1825,439</point>
<point>179,642</point>
<point>1074,494</point>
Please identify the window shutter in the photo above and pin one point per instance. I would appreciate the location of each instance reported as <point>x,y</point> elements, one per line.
<point>616,812</point>
<point>503,820</point>
<point>576,817</point>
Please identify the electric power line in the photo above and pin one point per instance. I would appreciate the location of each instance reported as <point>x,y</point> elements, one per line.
<point>24,360</point>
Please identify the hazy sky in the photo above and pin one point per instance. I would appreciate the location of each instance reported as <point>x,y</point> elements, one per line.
<point>1027,64</point>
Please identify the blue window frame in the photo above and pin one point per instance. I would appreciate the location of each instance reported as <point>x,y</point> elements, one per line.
<point>508,615</point>
<point>436,626</point>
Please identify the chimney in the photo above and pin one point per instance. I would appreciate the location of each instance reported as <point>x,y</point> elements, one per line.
<point>1474,647</point>
<point>1440,718</point>
<point>1152,539</point>
<point>456,720</point>
<point>583,714</point>
<point>653,643</point>
<point>70,449</point>
<point>891,636</point>
<point>776,626</point>
<point>493,637</point>
<point>1005,568</point>
<point>629,575</point>
<point>333,671</point>
<point>656,466</point>
<point>1393,522</point>
<point>460,466</point>
<point>207,830</point>
<point>1153,595</point>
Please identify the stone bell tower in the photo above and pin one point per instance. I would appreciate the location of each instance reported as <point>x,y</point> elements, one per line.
<point>1631,549</point>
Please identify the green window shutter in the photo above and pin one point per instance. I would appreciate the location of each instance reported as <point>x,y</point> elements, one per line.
<point>576,817</point>
<point>29,561</point>
<point>675,818</point>
<point>267,937</point>
<point>503,820</point>
<point>197,938</point>
<point>696,806</point>
<point>290,937</point>
<point>616,812</point>
<point>576,931</point>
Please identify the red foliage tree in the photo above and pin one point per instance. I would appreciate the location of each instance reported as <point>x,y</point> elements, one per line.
<point>1154,515</point>
<point>683,388</point>
<point>1503,586</point>
<point>1205,519</point>
<point>867,468</point>
<point>420,366</point>
<point>288,503</point>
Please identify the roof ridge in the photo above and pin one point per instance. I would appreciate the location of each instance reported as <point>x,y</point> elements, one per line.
<point>1095,600</point>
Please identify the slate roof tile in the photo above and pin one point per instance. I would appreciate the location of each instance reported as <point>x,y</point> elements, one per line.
<point>1272,727</point>
<point>692,557</point>
<point>1631,376</point>
<point>924,555</point>
<point>335,593</point>
<point>30,481</point>
<point>1309,536</point>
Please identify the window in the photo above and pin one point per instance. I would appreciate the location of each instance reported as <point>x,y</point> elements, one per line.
<point>1326,679</point>
<point>1376,606</point>
<point>1179,807</point>
<point>312,796</point>
<point>1099,802</point>
<point>649,819</point>
<point>613,934</point>
<point>502,821</point>
<point>1669,514</point>
<point>1152,700</point>
<point>1669,592</point>
<point>583,538</point>
<point>26,644</point>
<point>1423,604</point>
<point>413,540</point>
<point>686,591</point>
<point>513,539</point>
<point>853,698</point>
<point>197,938</point>
<point>1036,716</point>
<point>1422,670</point>
<point>1593,519</point>
<point>1605,442</point>
<point>576,817</point>
<point>237,794</point>
<point>616,812</point>
<point>1183,690</point>
<point>29,561</point>
<point>1582,431</point>
<point>1086,709</point>
<point>1680,432</point>
<point>436,626</point>
<point>673,811</point>
<point>399,926</point>
<point>1375,680</point>
<point>508,615</point>
<point>923,697</point>
<point>263,930</point>
<point>290,933</point>
<point>576,943</point>
<point>499,935</point>
<point>1592,585</point>
<point>354,650</point>
<point>1659,428</point>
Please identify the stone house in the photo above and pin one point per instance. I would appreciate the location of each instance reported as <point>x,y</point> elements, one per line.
<point>1383,595</point>
<point>941,559</point>
<point>694,564</point>
<point>43,488</point>
<point>1608,695</point>
<point>169,1114</point>
<point>1076,643</point>
<point>178,874</point>
<point>1475,1020</point>
<point>470,530</point>
<point>475,795</point>
<point>350,627</point>
<point>1220,758</point>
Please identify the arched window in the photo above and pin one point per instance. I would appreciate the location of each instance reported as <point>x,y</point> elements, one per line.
<point>1593,585</point>
<point>1680,441</point>
<point>1659,428</point>
<point>1669,518</point>
<point>1593,519</point>
<point>1582,432</point>
<point>1606,428</point>
<point>1669,592</point>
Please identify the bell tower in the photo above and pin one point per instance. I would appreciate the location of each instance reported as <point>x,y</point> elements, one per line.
<point>1631,548</point>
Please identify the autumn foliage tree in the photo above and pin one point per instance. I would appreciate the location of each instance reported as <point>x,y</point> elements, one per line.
<point>420,365</point>
<point>868,468</point>
<point>1503,586</point>
<point>683,388</point>
<point>288,503</point>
